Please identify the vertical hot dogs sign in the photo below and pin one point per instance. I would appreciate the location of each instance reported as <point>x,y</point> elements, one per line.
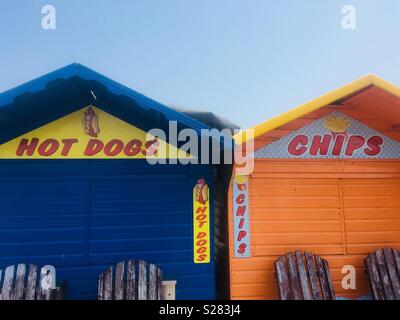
<point>241,231</point>
<point>334,136</point>
<point>201,222</point>
<point>89,133</point>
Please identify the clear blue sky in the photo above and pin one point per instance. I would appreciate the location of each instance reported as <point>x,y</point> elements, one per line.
<point>245,60</point>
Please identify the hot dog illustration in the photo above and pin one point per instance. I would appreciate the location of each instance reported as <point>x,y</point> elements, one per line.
<point>201,191</point>
<point>90,123</point>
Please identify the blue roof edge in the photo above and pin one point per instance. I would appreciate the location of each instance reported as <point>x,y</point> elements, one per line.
<point>38,83</point>
<point>77,69</point>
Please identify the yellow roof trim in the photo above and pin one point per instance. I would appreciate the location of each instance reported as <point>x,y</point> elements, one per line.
<point>317,103</point>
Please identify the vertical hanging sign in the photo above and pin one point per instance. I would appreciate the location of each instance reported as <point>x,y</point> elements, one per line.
<point>201,222</point>
<point>241,228</point>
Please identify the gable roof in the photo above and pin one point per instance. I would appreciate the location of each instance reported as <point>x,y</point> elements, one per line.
<point>336,97</point>
<point>39,101</point>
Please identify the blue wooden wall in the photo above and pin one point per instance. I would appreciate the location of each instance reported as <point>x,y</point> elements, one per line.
<point>85,215</point>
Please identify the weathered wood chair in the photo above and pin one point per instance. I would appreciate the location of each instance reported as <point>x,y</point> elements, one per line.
<point>383,270</point>
<point>25,282</point>
<point>304,276</point>
<point>131,280</point>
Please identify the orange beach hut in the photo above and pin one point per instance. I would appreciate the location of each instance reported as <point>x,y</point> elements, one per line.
<point>326,179</point>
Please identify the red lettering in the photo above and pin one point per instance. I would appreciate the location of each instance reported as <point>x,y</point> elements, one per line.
<point>320,145</point>
<point>113,147</point>
<point>48,147</point>
<point>202,257</point>
<point>202,223</point>
<point>133,147</point>
<point>93,147</point>
<point>241,223</point>
<point>240,198</point>
<point>67,146</point>
<point>201,209</point>
<point>355,143</point>
<point>201,242</point>
<point>151,147</point>
<point>337,148</point>
<point>201,250</point>
<point>28,147</point>
<point>374,146</point>
<point>201,235</point>
<point>242,248</point>
<point>241,211</point>
<point>297,146</point>
<point>201,217</point>
<point>241,235</point>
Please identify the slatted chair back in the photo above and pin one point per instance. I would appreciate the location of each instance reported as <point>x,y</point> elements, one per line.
<point>304,276</point>
<point>25,282</point>
<point>130,280</point>
<point>383,270</point>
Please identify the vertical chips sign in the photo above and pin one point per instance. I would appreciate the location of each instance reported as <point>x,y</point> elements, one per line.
<point>241,216</point>
<point>201,222</point>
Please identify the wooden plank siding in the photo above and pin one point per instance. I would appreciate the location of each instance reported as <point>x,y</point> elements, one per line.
<point>83,216</point>
<point>340,210</point>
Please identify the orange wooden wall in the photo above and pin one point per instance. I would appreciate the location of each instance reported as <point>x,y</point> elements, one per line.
<point>342,210</point>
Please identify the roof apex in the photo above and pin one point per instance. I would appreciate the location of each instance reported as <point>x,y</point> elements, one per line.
<point>77,69</point>
<point>369,79</point>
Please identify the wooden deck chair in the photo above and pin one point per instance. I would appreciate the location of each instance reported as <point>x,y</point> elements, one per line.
<point>25,282</point>
<point>304,276</point>
<point>131,280</point>
<point>383,270</point>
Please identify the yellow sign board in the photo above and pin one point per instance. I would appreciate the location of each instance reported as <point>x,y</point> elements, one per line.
<point>88,133</point>
<point>201,222</point>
